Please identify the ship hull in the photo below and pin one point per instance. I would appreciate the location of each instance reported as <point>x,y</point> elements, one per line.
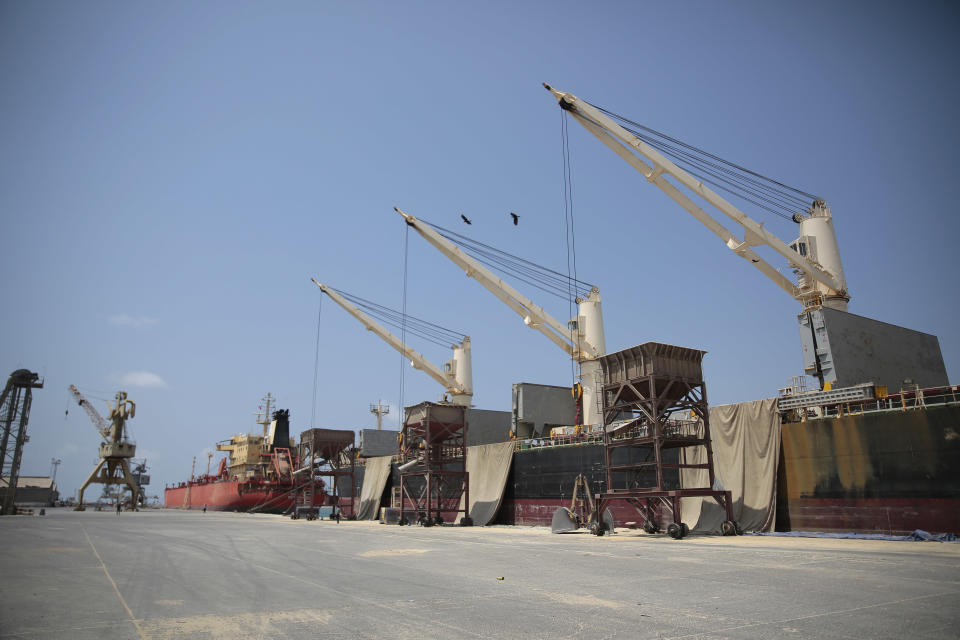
<point>883,472</point>
<point>229,495</point>
<point>887,472</point>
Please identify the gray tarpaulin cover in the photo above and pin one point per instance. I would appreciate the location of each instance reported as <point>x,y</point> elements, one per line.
<point>488,466</point>
<point>374,481</point>
<point>746,449</point>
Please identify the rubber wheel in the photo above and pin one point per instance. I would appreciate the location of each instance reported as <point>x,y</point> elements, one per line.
<point>674,531</point>
<point>684,529</point>
<point>466,522</point>
<point>728,528</point>
<point>403,522</point>
<point>736,526</point>
<point>600,529</point>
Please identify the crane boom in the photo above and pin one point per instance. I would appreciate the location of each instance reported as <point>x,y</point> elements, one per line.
<point>533,315</point>
<point>98,422</point>
<point>627,146</point>
<point>456,378</point>
<point>583,337</point>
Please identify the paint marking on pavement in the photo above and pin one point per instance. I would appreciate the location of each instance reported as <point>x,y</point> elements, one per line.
<point>112,582</point>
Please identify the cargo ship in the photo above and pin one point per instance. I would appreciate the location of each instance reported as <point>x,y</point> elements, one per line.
<point>256,474</point>
<point>891,467</point>
<point>887,465</point>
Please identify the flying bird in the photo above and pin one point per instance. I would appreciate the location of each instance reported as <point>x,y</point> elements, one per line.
<point>465,219</point>
<point>515,218</point>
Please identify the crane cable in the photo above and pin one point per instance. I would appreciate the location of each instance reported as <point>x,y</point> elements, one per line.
<point>547,280</point>
<point>571,242</point>
<point>316,368</point>
<point>403,322</point>
<point>421,328</point>
<point>766,193</point>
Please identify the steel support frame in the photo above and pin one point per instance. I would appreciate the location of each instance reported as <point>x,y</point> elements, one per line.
<point>111,470</point>
<point>16,402</point>
<point>305,495</point>
<point>441,494</point>
<point>443,487</point>
<point>656,398</point>
<point>324,461</point>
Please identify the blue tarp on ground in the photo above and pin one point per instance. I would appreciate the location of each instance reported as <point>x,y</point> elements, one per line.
<point>917,536</point>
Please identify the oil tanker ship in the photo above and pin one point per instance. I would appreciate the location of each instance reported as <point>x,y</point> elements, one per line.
<point>256,474</point>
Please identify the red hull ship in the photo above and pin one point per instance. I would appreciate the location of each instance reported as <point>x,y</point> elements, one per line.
<point>230,495</point>
<point>256,475</point>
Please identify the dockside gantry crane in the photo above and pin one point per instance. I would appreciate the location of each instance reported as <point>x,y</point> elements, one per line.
<point>115,450</point>
<point>583,337</point>
<point>456,376</point>
<point>814,256</point>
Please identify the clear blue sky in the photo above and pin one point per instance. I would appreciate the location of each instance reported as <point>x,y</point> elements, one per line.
<point>172,175</point>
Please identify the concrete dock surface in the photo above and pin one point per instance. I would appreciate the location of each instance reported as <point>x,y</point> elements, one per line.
<point>173,574</point>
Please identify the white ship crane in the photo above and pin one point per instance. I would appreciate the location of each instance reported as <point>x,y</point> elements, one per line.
<point>814,256</point>
<point>582,338</point>
<point>456,375</point>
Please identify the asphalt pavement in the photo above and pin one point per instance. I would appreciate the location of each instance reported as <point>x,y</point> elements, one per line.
<point>173,574</point>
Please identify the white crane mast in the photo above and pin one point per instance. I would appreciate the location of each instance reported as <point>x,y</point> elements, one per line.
<point>583,337</point>
<point>457,374</point>
<point>814,256</point>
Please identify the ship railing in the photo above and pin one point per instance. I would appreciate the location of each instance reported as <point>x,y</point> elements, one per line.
<point>558,441</point>
<point>908,399</point>
<point>668,429</point>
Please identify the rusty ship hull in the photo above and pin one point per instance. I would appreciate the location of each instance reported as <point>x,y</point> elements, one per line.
<point>230,495</point>
<point>885,472</point>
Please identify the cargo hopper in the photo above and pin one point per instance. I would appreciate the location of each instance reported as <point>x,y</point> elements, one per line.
<point>256,475</point>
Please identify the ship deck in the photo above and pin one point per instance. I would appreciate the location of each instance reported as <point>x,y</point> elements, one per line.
<point>168,573</point>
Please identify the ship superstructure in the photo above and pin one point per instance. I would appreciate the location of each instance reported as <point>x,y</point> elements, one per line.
<point>257,472</point>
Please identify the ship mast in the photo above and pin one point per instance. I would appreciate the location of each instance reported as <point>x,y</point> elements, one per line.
<point>264,418</point>
<point>379,410</point>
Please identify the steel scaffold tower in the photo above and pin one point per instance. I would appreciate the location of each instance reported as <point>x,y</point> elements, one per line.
<point>15,411</point>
